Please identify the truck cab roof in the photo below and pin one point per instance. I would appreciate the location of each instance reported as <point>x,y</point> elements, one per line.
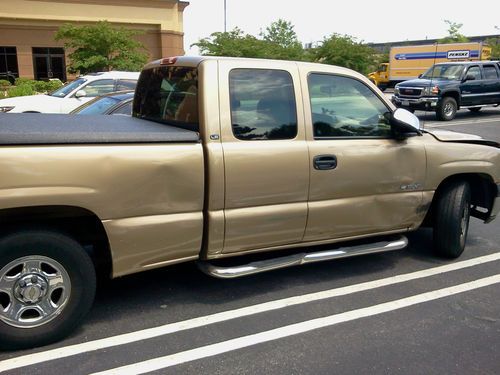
<point>467,63</point>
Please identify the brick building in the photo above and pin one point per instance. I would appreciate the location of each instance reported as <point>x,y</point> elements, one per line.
<point>27,28</point>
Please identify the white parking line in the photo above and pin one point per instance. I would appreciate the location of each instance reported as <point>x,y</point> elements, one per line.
<point>67,351</point>
<point>294,329</point>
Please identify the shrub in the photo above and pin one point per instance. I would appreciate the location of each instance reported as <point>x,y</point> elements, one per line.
<point>25,86</point>
<point>4,83</point>
<point>24,81</point>
<point>52,85</point>
<point>22,90</point>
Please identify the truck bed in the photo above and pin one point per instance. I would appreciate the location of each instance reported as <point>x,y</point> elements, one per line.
<point>49,129</point>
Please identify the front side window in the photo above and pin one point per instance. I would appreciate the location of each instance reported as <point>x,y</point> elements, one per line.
<point>475,72</point>
<point>382,68</point>
<point>345,107</point>
<point>66,89</point>
<point>262,104</point>
<point>100,87</point>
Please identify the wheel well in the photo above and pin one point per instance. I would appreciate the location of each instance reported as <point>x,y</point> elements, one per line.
<point>80,224</point>
<point>483,192</point>
<point>454,95</point>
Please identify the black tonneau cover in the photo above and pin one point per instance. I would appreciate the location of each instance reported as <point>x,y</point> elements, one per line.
<point>48,129</point>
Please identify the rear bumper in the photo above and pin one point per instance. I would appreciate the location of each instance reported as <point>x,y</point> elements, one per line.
<point>496,206</point>
<point>423,103</point>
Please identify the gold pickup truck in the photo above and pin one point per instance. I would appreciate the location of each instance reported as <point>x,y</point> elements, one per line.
<point>221,158</point>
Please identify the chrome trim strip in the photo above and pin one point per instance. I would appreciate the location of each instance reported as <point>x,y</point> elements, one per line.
<point>411,88</point>
<point>482,94</point>
<point>416,100</point>
<point>399,243</point>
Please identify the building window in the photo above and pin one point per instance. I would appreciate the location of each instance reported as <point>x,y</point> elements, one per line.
<point>49,63</point>
<point>8,64</point>
<point>262,104</point>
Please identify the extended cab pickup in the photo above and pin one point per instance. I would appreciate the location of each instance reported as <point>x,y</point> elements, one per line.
<point>221,158</point>
<point>447,87</point>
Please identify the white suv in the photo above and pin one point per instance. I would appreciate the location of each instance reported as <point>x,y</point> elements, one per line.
<point>72,95</point>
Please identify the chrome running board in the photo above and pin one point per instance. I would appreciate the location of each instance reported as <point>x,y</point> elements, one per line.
<point>221,272</point>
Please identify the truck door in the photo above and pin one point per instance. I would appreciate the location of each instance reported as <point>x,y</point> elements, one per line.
<point>363,181</point>
<point>383,70</point>
<point>473,90</point>
<point>491,84</point>
<point>266,160</point>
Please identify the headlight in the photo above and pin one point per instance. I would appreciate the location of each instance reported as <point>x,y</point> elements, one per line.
<point>396,90</point>
<point>6,109</point>
<point>430,91</point>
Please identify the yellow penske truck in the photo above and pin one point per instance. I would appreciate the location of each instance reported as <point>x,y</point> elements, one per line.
<point>408,62</point>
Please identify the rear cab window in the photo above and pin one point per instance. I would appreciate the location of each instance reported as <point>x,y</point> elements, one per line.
<point>490,72</point>
<point>262,104</point>
<point>169,95</point>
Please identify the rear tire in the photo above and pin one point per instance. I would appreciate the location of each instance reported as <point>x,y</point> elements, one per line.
<point>451,219</point>
<point>446,109</point>
<point>47,286</point>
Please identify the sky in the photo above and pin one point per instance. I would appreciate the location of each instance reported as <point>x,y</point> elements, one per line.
<point>368,21</point>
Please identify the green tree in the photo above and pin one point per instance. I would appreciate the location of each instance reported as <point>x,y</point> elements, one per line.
<point>454,35</point>
<point>102,47</point>
<point>282,40</point>
<point>278,41</point>
<point>346,51</point>
<point>233,43</point>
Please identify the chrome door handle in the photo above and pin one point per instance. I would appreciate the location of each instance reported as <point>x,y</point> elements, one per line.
<point>325,162</point>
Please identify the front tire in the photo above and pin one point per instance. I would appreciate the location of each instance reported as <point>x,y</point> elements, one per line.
<point>451,219</point>
<point>47,286</point>
<point>446,109</point>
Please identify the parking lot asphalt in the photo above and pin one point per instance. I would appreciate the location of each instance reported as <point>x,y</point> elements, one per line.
<point>404,312</point>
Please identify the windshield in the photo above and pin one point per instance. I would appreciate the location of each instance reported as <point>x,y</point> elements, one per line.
<point>66,89</point>
<point>99,106</point>
<point>447,72</point>
<point>168,95</point>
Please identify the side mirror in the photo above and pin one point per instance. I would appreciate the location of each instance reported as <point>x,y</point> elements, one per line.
<point>469,77</point>
<point>420,75</point>
<point>404,122</point>
<point>80,94</point>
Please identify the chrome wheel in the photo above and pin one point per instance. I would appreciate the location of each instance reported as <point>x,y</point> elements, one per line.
<point>446,109</point>
<point>449,109</point>
<point>33,291</point>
